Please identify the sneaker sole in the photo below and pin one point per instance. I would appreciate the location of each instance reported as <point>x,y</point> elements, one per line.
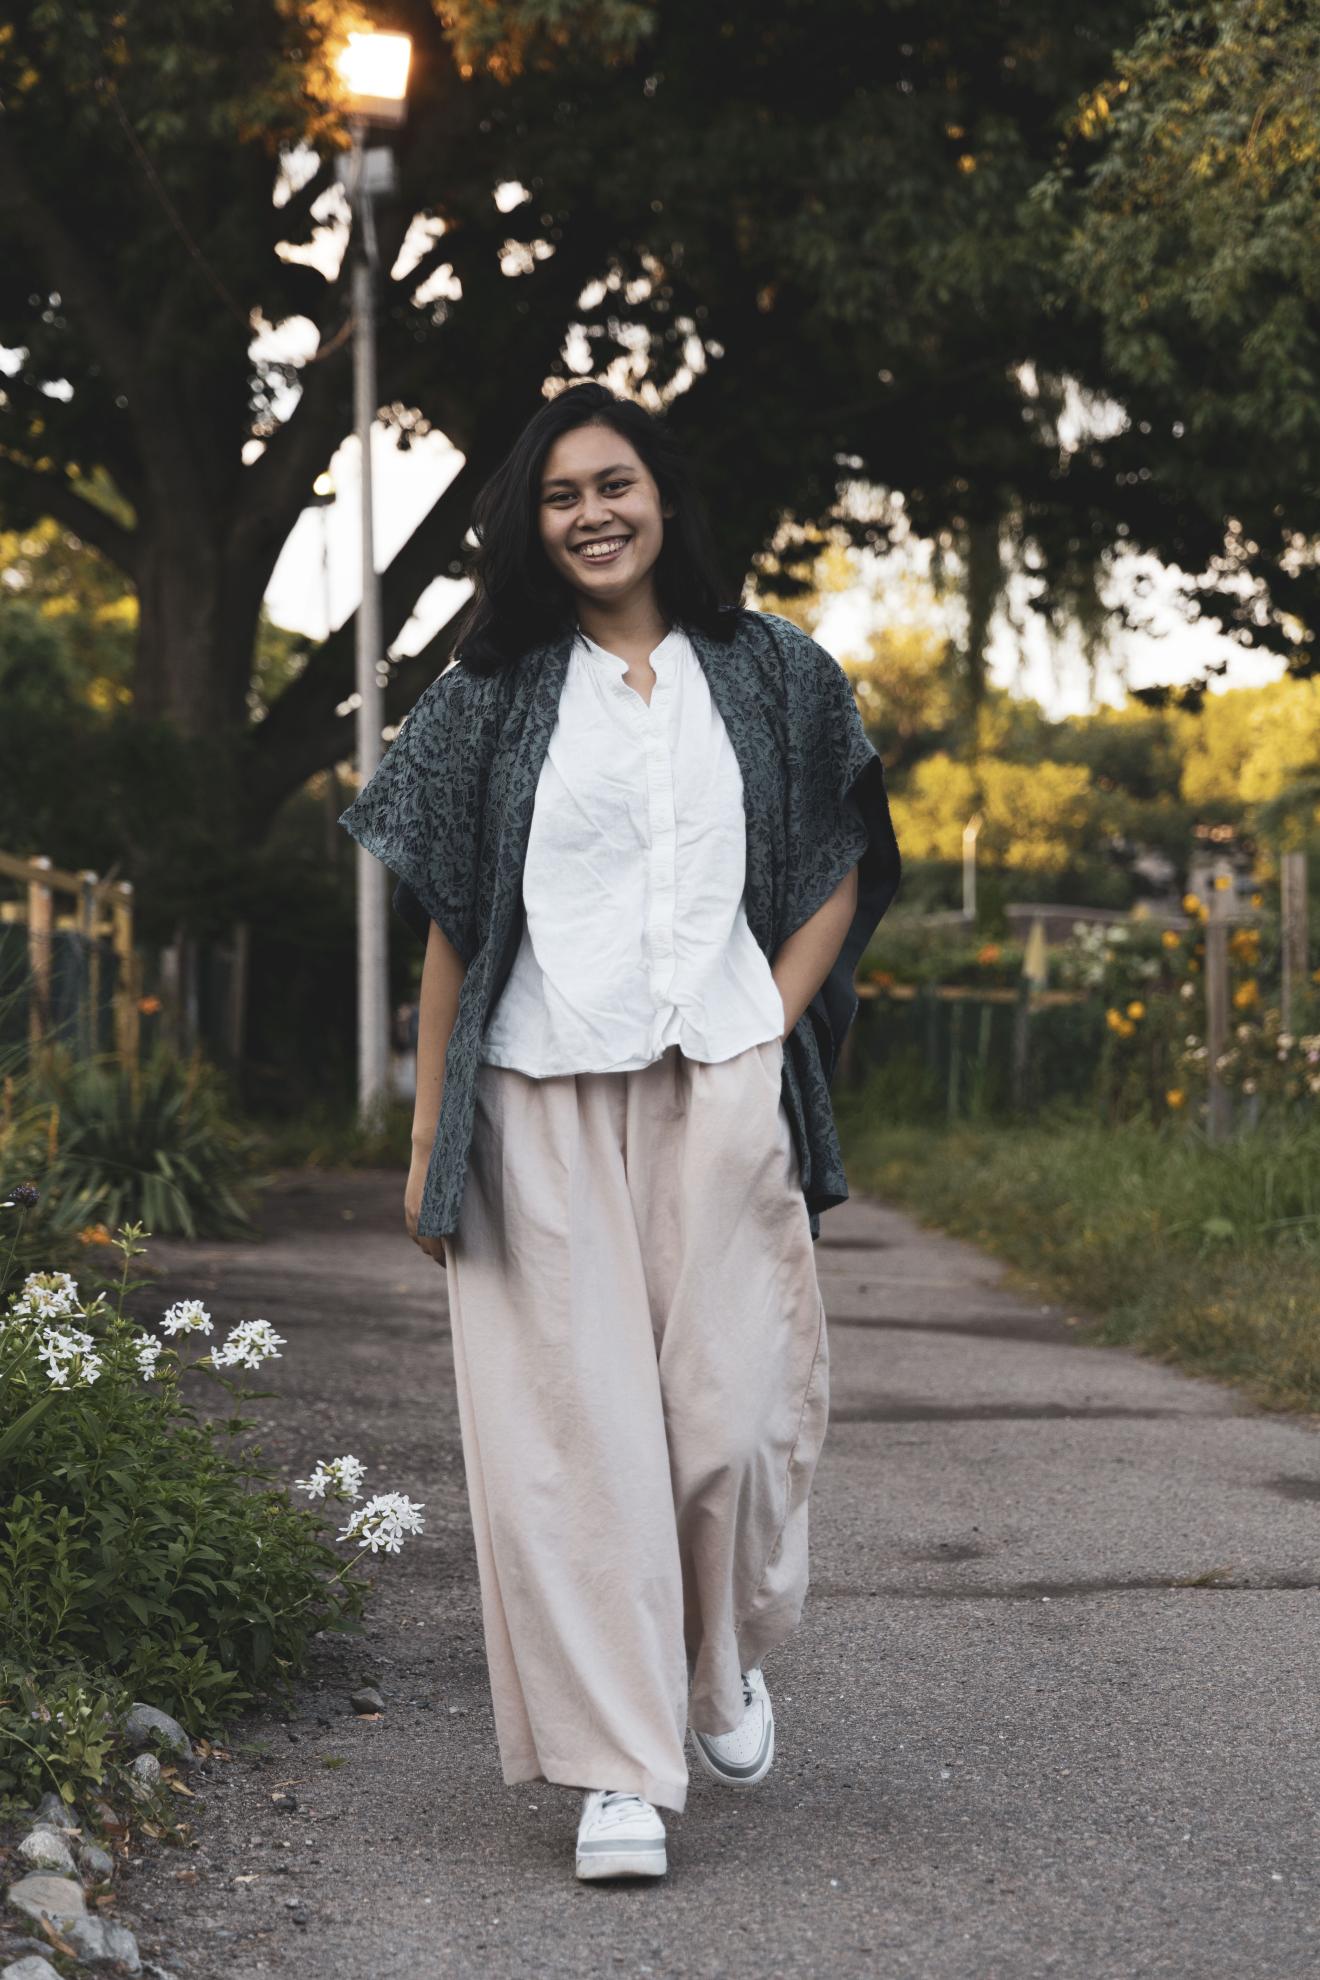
<point>600,1860</point>
<point>738,1777</point>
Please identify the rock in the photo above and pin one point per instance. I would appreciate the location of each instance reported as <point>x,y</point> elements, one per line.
<point>103,1944</point>
<point>46,1849</point>
<point>367,1700</point>
<point>146,1727</point>
<point>34,1967</point>
<point>286,1803</point>
<point>95,1862</point>
<point>154,1972</point>
<point>145,1770</point>
<point>52,1813</point>
<point>42,1896</point>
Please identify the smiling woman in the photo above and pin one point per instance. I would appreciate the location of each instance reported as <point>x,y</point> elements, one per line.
<point>645,838</point>
<point>591,520</point>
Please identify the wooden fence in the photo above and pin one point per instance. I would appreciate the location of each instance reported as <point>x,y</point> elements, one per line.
<point>95,917</point>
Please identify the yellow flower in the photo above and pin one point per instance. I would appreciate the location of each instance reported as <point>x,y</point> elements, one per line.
<point>1223,881</point>
<point>1257,900</point>
<point>1171,940</point>
<point>1191,903</point>
<point>1174,1097</point>
<point>1114,1019</point>
<point>1126,1027</point>
<point>1136,1009</point>
<point>1246,995</point>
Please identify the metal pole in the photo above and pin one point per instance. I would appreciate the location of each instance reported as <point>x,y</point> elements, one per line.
<point>970,830</point>
<point>372,901</point>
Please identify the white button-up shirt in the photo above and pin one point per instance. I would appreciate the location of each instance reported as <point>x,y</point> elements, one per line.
<point>636,937</point>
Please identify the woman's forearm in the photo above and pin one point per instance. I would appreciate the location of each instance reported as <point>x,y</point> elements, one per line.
<point>807,957</point>
<point>442,979</point>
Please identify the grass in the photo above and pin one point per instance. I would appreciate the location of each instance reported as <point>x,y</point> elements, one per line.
<point>1205,1257</point>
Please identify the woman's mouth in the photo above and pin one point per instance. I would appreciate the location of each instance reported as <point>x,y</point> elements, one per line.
<point>601,549</point>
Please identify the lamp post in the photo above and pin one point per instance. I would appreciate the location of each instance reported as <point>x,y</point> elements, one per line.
<point>374,69</point>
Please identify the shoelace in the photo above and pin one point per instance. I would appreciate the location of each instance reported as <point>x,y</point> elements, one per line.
<point>614,1796</point>
<point>748,1693</point>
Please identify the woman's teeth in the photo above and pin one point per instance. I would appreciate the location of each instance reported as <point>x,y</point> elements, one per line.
<point>607,547</point>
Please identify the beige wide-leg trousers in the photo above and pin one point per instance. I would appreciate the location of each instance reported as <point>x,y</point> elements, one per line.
<point>642,1374</point>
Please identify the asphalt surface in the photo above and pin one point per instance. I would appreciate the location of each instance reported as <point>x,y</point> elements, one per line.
<point>1015,1736</point>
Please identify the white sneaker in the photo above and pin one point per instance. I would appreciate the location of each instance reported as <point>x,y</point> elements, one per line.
<point>742,1757</point>
<point>620,1835</point>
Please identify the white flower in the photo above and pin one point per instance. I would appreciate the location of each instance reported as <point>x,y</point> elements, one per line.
<point>1248,1086</point>
<point>147,1352</point>
<point>1286,1043</point>
<point>187,1316</point>
<point>342,1477</point>
<point>1187,991</point>
<point>46,1296</point>
<point>67,1351</point>
<point>1244,1032</point>
<point>382,1523</point>
<point>247,1345</point>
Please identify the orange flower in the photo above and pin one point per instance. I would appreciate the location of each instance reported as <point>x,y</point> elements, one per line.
<point>1246,995</point>
<point>989,953</point>
<point>94,1234</point>
<point>149,1005</point>
<point>1174,1097</point>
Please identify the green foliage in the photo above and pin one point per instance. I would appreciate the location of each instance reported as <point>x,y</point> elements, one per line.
<point>60,1733</point>
<point>143,1542</point>
<point>1208,1256</point>
<point>156,1143</point>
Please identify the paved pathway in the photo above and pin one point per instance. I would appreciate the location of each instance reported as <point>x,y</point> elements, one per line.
<point>1016,1738</point>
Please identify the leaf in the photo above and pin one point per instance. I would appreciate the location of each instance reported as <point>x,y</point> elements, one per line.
<point>22,1427</point>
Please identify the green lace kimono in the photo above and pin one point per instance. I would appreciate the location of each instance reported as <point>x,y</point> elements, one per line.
<point>449,811</point>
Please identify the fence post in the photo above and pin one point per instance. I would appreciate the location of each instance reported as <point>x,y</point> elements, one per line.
<point>1296,953</point>
<point>1216,1015</point>
<point>127,1017</point>
<point>89,1004</point>
<point>236,1003</point>
<point>40,922</point>
<point>955,1055</point>
<point>1021,1047</point>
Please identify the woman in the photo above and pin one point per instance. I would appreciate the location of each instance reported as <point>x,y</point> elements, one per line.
<point>645,839</point>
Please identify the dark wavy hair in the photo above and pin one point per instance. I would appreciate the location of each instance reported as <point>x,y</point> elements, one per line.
<point>520,600</point>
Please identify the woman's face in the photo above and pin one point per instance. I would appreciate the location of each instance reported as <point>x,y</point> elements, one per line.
<point>595,491</point>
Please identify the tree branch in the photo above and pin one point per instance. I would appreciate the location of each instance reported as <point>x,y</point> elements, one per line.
<point>57,498</point>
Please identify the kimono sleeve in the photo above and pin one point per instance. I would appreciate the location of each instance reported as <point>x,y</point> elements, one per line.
<point>419,813</point>
<point>837,817</point>
<point>838,804</point>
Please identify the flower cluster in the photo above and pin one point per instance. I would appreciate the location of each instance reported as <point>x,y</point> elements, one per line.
<point>44,1337</point>
<point>186,1316</point>
<point>341,1478</point>
<point>383,1522</point>
<point>247,1345</point>
<point>1263,1059</point>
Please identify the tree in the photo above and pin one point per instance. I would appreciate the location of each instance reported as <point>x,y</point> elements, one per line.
<point>833,273</point>
<point>1194,242</point>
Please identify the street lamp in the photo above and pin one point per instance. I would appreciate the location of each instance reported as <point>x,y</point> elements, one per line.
<point>374,70</point>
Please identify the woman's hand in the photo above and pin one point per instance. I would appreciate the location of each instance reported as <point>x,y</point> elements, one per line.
<point>434,1247</point>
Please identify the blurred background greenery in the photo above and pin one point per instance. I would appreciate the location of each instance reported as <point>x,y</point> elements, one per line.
<point>992,332</point>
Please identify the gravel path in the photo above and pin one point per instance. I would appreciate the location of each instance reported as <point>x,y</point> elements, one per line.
<point>1016,1737</point>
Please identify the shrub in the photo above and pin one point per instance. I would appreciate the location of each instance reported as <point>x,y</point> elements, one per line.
<point>146,1550</point>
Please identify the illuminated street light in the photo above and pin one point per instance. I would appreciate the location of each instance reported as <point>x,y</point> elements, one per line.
<point>374,70</point>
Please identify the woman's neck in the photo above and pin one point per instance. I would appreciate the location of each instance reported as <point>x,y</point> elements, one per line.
<point>634,626</point>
